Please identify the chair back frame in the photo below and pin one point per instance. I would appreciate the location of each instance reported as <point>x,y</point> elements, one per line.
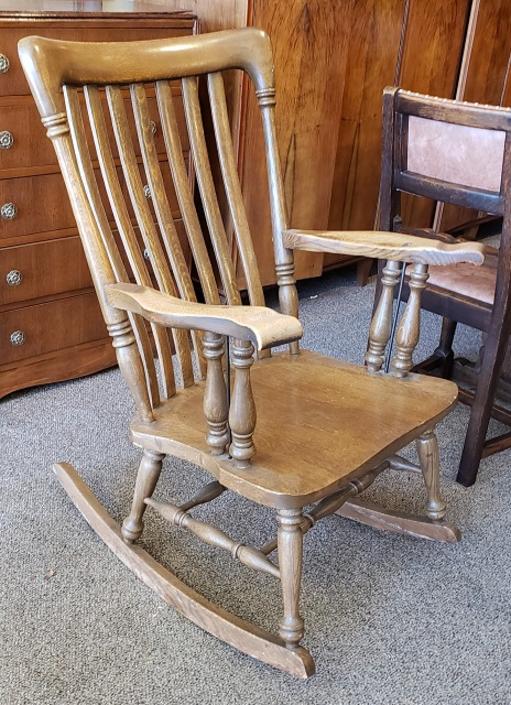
<point>56,71</point>
<point>398,107</point>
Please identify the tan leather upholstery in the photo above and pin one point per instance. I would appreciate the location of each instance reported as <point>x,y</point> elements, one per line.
<point>474,282</point>
<point>468,156</point>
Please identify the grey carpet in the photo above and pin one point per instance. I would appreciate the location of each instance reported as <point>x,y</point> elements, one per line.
<point>390,620</point>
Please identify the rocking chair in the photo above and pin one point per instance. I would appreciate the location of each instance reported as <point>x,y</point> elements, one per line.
<point>325,429</point>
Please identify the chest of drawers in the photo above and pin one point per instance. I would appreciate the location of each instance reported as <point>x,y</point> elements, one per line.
<point>44,280</point>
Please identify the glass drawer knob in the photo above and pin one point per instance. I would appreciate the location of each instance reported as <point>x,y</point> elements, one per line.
<point>146,253</point>
<point>4,63</point>
<point>8,211</point>
<point>153,127</point>
<point>6,139</point>
<point>17,337</point>
<point>14,277</point>
<point>147,191</point>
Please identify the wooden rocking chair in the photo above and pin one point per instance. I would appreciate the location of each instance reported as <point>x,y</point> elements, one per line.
<point>326,429</point>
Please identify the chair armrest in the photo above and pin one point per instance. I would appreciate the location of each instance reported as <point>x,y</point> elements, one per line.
<point>385,245</point>
<point>262,326</point>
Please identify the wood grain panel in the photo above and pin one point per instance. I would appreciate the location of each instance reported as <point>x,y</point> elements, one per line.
<point>56,366</point>
<point>357,140</point>
<point>432,55</point>
<point>309,60</point>
<point>488,74</point>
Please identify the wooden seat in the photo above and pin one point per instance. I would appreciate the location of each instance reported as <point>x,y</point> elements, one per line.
<point>326,441</point>
<point>295,431</point>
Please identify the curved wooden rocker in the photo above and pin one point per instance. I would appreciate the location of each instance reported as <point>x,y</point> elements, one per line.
<point>325,429</point>
<point>237,632</point>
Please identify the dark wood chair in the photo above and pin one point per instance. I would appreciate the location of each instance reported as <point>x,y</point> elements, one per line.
<point>459,153</point>
<point>325,429</point>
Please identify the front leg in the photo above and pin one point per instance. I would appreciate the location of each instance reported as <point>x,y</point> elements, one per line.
<point>427,449</point>
<point>290,547</point>
<point>147,477</point>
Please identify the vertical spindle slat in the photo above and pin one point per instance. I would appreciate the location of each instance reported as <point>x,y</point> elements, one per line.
<point>123,222</point>
<point>85,167</point>
<point>145,222</point>
<point>173,249</point>
<point>118,325</point>
<point>233,188</point>
<point>184,194</point>
<point>207,189</point>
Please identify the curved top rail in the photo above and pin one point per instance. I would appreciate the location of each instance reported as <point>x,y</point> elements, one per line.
<point>51,63</point>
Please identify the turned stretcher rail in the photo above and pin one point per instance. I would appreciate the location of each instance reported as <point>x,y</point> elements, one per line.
<point>249,556</point>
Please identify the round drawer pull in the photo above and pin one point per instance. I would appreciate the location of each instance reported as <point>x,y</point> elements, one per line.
<point>4,63</point>
<point>153,126</point>
<point>17,337</point>
<point>8,211</point>
<point>147,191</point>
<point>14,277</point>
<point>146,254</point>
<point>6,139</point>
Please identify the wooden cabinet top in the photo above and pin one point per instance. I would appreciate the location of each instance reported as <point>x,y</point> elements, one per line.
<point>28,9</point>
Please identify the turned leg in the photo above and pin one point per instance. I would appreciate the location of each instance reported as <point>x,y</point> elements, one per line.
<point>427,448</point>
<point>290,547</point>
<point>147,477</point>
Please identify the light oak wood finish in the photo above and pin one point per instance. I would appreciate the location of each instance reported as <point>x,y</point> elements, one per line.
<point>386,245</point>
<point>331,399</point>
<point>285,430</point>
<point>242,635</point>
<point>261,325</point>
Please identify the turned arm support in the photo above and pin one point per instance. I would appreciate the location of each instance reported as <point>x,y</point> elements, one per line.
<point>401,247</point>
<point>228,424</point>
<point>259,325</point>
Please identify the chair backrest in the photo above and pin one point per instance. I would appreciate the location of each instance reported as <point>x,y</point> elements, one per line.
<point>446,150</point>
<point>453,152</point>
<point>69,81</point>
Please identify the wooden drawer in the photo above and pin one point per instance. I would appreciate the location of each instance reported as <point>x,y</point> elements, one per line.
<point>53,267</point>
<point>42,269</point>
<point>30,148</point>
<point>13,81</point>
<point>42,205</point>
<point>55,325</point>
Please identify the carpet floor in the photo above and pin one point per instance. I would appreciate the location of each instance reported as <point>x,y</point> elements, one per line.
<point>390,620</point>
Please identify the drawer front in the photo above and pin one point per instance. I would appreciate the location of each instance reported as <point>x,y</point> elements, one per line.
<point>40,204</point>
<point>43,328</point>
<point>54,267</point>
<point>25,145</point>
<point>42,269</point>
<point>13,82</point>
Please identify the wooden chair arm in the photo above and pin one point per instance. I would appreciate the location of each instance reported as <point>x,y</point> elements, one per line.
<point>385,245</point>
<point>263,326</point>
